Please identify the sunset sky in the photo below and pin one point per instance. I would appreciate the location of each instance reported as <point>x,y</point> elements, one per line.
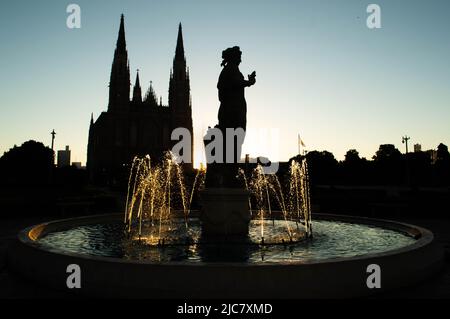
<point>321,72</point>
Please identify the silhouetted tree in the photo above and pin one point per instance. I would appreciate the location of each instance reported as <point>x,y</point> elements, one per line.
<point>322,167</point>
<point>442,165</point>
<point>354,169</point>
<point>388,165</point>
<point>30,163</point>
<point>352,156</point>
<point>387,152</point>
<point>420,169</point>
<point>442,153</point>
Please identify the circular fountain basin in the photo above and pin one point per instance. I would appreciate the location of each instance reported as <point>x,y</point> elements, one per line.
<point>333,264</point>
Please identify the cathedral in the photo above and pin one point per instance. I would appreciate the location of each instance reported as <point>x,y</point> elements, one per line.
<point>138,126</point>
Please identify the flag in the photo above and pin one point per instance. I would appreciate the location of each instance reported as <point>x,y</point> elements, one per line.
<point>300,141</point>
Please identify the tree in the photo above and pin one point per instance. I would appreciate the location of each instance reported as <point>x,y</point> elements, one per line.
<point>442,153</point>
<point>352,156</point>
<point>30,163</point>
<point>442,165</point>
<point>387,152</point>
<point>322,167</point>
<point>354,169</point>
<point>389,167</point>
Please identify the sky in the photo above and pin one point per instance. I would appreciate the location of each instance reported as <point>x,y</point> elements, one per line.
<point>321,72</point>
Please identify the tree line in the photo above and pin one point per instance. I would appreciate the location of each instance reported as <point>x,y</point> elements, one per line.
<point>32,163</point>
<point>387,167</point>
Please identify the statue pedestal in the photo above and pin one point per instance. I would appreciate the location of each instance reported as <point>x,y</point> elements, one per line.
<point>225,212</point>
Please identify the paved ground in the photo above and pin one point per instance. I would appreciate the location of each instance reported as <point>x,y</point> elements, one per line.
<point>437,287</point>
<point>12,286</point>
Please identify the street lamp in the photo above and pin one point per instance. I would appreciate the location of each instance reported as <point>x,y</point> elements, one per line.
<point>405,140</point>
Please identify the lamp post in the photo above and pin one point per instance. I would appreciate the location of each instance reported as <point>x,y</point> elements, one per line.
<point>53,133</point>
<point>405,140</point>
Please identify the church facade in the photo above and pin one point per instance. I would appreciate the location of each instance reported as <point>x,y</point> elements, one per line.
<point>141,125</point>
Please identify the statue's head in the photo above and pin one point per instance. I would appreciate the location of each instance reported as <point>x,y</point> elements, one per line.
<point>231,55</point>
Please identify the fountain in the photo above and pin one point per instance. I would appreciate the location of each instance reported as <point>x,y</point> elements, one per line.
<point>252,238</point>
<point>156,247</point>
<point>158,208</point>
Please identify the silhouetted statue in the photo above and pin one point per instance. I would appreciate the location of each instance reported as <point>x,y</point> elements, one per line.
<point>231,85</point>
<point>232,115</point>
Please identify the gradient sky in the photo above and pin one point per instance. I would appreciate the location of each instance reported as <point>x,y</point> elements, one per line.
<point>320,71</point>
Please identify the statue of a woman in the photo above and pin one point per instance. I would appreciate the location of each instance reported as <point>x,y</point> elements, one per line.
<point>233,108</point>
<point>232,115</point>
<point>225,203</point>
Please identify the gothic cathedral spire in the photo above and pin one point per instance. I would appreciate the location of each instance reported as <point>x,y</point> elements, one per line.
<point>137,92</point>
<point>179,51</point>
<point>179,91</point>
<point>121,43</point>
<point>119,84</point>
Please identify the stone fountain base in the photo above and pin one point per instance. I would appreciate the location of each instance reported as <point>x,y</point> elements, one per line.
<point>225,212</point>
<point>344,277</point>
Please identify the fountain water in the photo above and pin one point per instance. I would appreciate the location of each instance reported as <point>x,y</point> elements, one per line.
<point>156,195</point>
<point>293,203</point>
<point>158,198</point>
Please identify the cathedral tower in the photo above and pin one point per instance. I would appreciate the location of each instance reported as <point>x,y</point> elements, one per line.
<point>179,92</point>
<point>119,84</point>
<point>140,126</point>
